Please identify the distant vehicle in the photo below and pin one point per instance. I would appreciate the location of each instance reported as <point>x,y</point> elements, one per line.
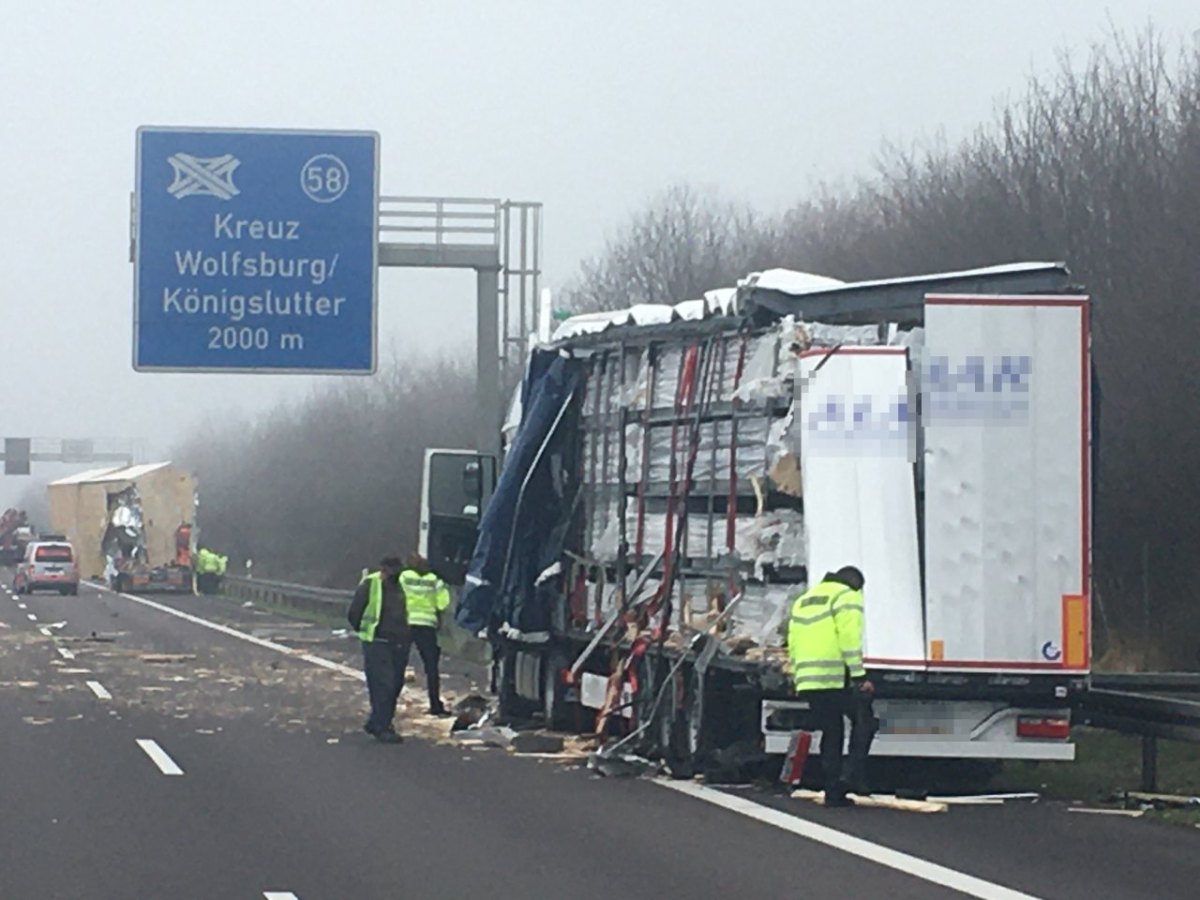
<point>132,525</point>
<point>15,535</point>
<point>48,566</point>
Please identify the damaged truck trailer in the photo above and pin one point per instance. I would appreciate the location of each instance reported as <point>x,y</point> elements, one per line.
<point>680,474</point>
<point>132,526</point>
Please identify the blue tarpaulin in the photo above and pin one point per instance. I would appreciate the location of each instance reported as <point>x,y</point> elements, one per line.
<point>521,531</point>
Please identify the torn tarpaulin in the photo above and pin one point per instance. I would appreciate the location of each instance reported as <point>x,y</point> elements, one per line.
<point>530,501</point>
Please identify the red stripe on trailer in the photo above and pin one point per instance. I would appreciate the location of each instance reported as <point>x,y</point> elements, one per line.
<point>1011,300</point>
<point>1085,387</point>
<point>651,375</point>
<point>998,664</point>
<point>731,507</point>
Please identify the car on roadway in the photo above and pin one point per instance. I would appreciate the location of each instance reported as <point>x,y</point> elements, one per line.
<point>48,565</point>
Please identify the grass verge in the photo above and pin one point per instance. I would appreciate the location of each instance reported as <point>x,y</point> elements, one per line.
<point>1106,764</point>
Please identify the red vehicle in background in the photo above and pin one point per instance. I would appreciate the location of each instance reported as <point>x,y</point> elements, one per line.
<point>15,535</point>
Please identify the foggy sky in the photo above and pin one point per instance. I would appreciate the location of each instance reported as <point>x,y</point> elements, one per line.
<point>587,107</point>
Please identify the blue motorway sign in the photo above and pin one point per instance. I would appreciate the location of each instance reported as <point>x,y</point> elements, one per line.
<point>255,251</point>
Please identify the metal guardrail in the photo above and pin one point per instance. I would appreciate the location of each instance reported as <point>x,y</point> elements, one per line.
<point>323,601</point>
<point>1150,716</point>
<point>1144,714</point>
<point>1148,682</point>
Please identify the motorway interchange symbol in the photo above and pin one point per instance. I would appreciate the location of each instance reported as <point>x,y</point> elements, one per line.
<point>211,177</point>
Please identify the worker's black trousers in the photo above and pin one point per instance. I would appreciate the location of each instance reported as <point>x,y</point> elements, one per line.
<point>830,709</point>
<point>384,663</point>
<point>425,637</point>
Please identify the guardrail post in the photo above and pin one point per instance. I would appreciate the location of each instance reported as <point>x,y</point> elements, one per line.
<point>1149,762</point>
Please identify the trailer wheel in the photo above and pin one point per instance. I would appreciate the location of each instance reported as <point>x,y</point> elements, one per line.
<point>676,728</point>
<point>559,714</point>
<point>647,718</point>
<point>506,685</point>
<point>664,716</point>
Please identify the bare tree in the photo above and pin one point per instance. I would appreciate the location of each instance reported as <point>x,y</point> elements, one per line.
<point>1098,165</point>
<point>681,244</point>
<point>314,491</point>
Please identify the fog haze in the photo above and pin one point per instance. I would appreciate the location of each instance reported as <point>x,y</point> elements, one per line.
<point>586,107</point>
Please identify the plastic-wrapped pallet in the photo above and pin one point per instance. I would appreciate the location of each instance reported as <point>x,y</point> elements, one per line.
<point>751,450</point>
<point>761,612</point>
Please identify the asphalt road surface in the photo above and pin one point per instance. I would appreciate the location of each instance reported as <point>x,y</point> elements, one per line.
<point>148,755</point>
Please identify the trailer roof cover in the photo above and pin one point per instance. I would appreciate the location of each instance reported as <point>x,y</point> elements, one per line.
<point>767,296</point>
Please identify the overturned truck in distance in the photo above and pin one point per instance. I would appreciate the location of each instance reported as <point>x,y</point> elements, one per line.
<point>680,474</point>
<point>132,526</point>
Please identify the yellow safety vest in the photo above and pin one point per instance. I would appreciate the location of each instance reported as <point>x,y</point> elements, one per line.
<point>370,616</point>
<point>825,637</point>
<point>425,597</point>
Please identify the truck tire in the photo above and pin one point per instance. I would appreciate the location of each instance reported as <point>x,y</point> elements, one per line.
<point>674,727</point>
<point>698,730</point>
<point>645,714</point>
<point>558,713</point>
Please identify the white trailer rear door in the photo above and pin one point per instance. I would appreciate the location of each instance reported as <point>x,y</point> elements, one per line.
<point>1006,421</point>
<point>859,494</point>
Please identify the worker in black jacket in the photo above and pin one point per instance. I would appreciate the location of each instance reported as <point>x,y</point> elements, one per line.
<point>379,617</point>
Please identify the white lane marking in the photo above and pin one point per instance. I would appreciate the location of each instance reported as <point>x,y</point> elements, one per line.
<point>46,631</point>
<point>99,690</point>
<point>848,843</point>
<point>159,756</point>
<point>32,617</point>
<point>65,653</point>
<point>22,606</point>
<point>279,895</point>
<point>241,635</point>
<point>341,668</point>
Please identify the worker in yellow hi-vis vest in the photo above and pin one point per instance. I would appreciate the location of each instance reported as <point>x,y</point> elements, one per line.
<point>825,645</point>
<point>378,617</point>
<point>426,599</point>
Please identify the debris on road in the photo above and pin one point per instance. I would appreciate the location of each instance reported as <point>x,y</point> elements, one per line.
<point>977,799</point>
<point>622,765</point>
<point>878,801</point>
<point>535,742</point>
<point>491,736</point>
<point>1157,801</point>
<point>470,712</point>
<point>167,657</point>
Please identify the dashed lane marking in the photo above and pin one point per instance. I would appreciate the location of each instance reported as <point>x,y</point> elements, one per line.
<point>32,617</point>
<point>848,843</point>
<point>99,690</point>
<point>241,635</point>
<point>46,631</point>
<point>279,895</point>
<point>159,757</point>
<point>65,653</point>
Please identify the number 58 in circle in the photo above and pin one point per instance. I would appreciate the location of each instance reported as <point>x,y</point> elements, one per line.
<point>324,178</point>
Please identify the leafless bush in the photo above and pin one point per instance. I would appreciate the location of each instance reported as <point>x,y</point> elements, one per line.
<point>314,491</point>
<point>1098,165</point>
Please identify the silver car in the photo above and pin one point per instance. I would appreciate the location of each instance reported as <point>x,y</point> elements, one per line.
<point>48,565</point>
